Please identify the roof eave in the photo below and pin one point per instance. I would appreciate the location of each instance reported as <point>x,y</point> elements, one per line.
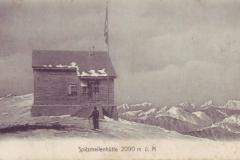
<point>53,68</point>
<point>97,77</point>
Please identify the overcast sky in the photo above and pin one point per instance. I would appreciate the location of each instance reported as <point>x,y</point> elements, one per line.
<point>164,51</point>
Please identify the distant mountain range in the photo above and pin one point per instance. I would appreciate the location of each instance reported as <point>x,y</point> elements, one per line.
<point>206,121</point>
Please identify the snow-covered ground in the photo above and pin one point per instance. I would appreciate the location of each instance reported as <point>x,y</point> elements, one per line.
<point>207,121</point>
<point>15,111</point>
<point>47,143</point>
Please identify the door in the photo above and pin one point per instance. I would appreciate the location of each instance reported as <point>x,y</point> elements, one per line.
<point>90,90</point>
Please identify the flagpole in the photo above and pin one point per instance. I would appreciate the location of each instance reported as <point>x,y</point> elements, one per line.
<point>106,35</point>
<point>106,29</point>
<point>108,46</point>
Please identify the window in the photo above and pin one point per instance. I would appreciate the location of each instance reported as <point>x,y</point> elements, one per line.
<point>84,90</point>
<point>91,87</point>
<point>95,86</point>
<point>72,89</point>
<point>84,86</point>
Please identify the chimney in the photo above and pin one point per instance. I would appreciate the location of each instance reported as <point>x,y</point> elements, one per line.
<point>91,50</point>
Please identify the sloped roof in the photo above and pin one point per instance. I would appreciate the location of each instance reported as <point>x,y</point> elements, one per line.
<point>95,61</point>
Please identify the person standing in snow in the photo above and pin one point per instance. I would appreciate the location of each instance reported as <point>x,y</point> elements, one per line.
<point>95,118</point>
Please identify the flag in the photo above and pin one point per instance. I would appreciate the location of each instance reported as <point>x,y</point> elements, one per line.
<point>106,26</point>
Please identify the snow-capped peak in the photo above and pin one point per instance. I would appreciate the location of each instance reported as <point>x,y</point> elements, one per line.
<point>164,109</point>
<point>173,110</point>
<point>187,106</point>
<point>142,104</point>
<point>124,107</point>
<point>232,104</point>
<point>152,110</point>
<point>207,104</point>
<point>234,119</point>
<point>201,115</point>
<point>179,113</point>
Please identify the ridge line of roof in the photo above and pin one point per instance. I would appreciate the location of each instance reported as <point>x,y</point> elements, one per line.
<point>73,51</point>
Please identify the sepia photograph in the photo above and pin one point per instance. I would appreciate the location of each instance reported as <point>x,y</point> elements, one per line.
<point>118,79</point>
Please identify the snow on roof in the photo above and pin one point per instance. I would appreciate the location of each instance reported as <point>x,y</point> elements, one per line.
<point>90,73</point>
<point>102,71</point>
<point>94,73</point>
<point>61,66</point>
<point>84,74</point>
<point>73,64</point>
